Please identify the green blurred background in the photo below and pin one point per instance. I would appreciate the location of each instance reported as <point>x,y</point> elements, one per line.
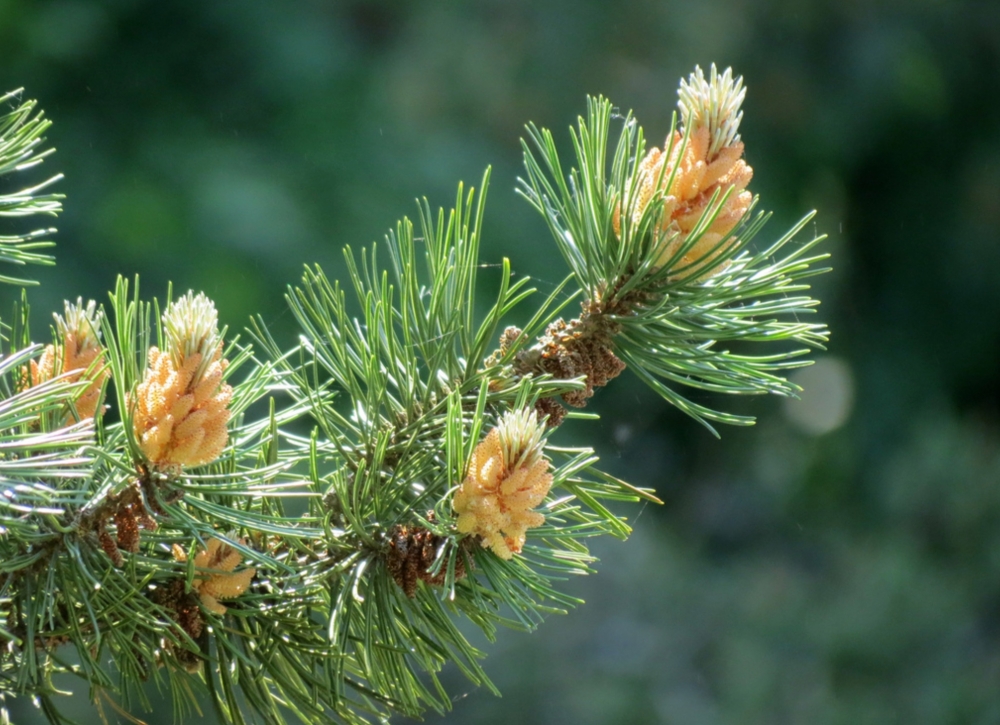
<point>839,562</point>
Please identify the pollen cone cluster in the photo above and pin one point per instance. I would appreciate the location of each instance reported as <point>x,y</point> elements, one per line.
<point>180,408</point>
<point>507,478</point>
<point>688,174</point>
<point>78,353</point>
<point>221,582</point>
<point>412,553</point>
<point>183,608</point>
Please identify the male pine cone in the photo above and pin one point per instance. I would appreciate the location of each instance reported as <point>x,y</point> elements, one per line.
<point>77,354</point>
<point>508,476</point>
<point>688,175</point>
<point>180,412</point>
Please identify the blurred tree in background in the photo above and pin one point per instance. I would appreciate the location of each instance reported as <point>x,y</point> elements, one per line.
<point>840,562</point>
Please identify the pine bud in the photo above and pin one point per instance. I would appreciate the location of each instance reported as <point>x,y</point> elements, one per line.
<point>77,351</point>
<point>180,408</point>
<point>508,476</point>
<point>689,174</point>
<point>713,104</point>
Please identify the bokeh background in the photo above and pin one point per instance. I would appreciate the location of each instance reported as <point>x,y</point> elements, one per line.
<point>839,562</point>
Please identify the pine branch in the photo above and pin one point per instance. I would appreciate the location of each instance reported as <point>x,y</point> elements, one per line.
<point>294,534</point>
<point>677,305</point>
<point>21,136</point>
<point>418,396</point>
